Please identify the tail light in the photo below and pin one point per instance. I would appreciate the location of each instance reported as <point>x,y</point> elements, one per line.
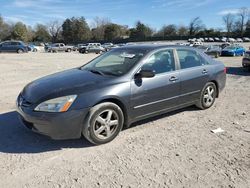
<point>225,70</point>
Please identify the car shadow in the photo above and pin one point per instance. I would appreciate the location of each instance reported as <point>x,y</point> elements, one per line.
<point>14,138</point>
<point>240,71</point>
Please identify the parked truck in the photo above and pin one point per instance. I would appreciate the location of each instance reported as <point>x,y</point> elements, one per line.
<point>60,47</point>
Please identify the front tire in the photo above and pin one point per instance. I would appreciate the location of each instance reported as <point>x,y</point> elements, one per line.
<point>103,123</point>
<point>207,97</point>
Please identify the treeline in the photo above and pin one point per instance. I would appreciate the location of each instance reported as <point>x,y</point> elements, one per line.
<point>75,30</point>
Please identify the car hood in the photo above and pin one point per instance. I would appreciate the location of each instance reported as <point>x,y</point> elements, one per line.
<point>64,83</point>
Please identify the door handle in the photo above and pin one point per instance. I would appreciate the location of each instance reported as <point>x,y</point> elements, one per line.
<point>173,79</point>
<point>204,71</point>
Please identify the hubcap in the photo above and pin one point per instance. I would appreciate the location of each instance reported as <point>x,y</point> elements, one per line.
<point>106,124</point>
<point>208,97</point>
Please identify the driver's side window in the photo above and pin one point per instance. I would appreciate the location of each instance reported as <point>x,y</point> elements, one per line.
<point>160,62</point>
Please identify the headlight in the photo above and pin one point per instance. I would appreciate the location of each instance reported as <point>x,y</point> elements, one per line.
<point>60,104</point>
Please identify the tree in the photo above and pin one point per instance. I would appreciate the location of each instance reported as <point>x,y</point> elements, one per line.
<point>98,27</point>
<point>55,29</point>
<point>247,32</point>
<point>30,34</point>
<point>195,26</point>
<point>228,21</point>
<point>41,33</point>
<point>243,14</point>
<point>168,30</point>
<point>141,31</point>
<point>112,31</point>
<point>182,31</point>
<point>20,32</point>
<point>75,30</point>
<point>5,30</point>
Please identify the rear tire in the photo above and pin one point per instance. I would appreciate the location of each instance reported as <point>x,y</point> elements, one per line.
<point>20,51</point>
<point>207,96</point>
<point>103,123</point>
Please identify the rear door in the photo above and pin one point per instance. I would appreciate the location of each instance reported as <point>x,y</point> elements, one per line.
<point>151,95</point>
<point>6,47</point>
<point>194,74</point>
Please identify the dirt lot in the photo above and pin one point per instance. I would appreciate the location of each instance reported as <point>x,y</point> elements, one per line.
<point>173,150</point>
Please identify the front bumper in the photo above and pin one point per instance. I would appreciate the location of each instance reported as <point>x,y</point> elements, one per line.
<point>58,126</point>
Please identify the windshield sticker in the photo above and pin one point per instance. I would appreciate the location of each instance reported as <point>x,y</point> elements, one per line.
<point>125,55</point>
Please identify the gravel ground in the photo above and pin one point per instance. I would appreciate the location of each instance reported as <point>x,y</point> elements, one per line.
<point>173,150</point>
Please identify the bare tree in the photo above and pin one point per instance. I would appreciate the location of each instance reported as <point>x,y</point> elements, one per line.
<point>182,30</point>
<point>195,26</point>
<point>243,14</point>
<point>98,27</point>
<point>228,21</point>
<point>55,28</point>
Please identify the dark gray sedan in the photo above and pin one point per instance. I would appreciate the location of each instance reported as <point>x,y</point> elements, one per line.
<point>118,88</point>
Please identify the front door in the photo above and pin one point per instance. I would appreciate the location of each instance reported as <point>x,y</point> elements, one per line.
<point>156,94</point>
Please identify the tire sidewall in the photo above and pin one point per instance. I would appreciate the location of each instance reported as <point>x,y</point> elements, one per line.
<point>19,51</point>
<point>88,126</point>
<point>201,104</point>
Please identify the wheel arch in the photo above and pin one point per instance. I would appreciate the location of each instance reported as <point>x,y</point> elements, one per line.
<point>217,87</point>
<point>121,105</point>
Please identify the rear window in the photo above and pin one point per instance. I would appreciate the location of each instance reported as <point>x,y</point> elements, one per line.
<point>15,43</point>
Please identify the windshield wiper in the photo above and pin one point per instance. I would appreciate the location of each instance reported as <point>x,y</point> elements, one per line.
<point>96,71</point>
<point>110,73</point>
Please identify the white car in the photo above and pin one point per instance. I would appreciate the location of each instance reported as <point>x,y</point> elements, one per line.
<point>210,39</point>
<point>239,40</point>
<point>231,40</point>
<point>217,39</point>
<point>246,39</point>
<point>223,39</point>
<point>196,44</point>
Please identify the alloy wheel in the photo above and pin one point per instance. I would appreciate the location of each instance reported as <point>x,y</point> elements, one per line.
<point>209,96</point>
<point>105,124</point>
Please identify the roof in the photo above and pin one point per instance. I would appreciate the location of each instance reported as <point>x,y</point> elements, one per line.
<point>150,47</point>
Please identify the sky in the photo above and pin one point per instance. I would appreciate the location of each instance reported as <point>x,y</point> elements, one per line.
<point>155,13</point>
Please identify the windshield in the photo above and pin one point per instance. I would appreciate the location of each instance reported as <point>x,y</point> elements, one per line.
<point>116,62</point>
<point>230,48</point>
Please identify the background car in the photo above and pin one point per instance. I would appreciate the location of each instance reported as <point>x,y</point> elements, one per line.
<point>246,60</point>
<point>60,47</point>
<point>214,50</point>
<point>233,51</point>
<point>78,46</point>
<point>246,39</point>
<point>13,46</point>
<point>33,48</point>
<point>239,40</point>
<point>92,48</point>
<point>107,46</point>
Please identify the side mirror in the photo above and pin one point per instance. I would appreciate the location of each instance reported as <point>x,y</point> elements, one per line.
<point>145,74</point>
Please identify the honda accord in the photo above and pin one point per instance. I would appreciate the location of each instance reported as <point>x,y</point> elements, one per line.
<point>118,88</point>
